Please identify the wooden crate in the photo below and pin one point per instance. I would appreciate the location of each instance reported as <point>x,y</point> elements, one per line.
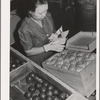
<point>21,73</point>
<point>19,55</point>
<point>16,55</point>
<point>83,41</point>
<point>84,81</point>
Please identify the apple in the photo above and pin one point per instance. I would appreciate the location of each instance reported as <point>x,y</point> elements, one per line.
<point>38,85</point>
<point>29,79</point>
<point>32,89</point>
<point>32,74</point>
<point>49,93</point>
<point>14,66</point>
<point>42,95</point>
<point>49,98</point>
<point>63,95</point>
<point>55,91</point>
<point>86,55</point>
<point>78,58</point>
<point>37,78</point>
<point>36,97</point>
<point>28,94</point>
<point>50,87</point>
<point>80,53</point>
<point>45,83</point>
<point>43,89</point>
<point>60,58</point>
<point>73,62</point>
<point>71,67</point>
<point>55,98</point>
<point>64,66</point>
<point>92,56</point>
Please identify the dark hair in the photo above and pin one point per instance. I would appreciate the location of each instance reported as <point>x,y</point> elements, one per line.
<point>30,5</point>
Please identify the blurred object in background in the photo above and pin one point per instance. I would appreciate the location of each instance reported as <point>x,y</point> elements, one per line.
<point>57,1</point>
<point>85,15</point>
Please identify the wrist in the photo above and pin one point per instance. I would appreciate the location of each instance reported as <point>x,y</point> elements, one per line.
<point>46,48</point>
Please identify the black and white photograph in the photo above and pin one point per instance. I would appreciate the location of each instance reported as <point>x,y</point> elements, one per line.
<point>50,50</point>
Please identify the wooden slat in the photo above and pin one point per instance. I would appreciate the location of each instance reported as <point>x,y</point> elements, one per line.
<point>90,85</point>
<point>90,69</point>
<point>19,73</point>
<point>76,97</point>
<point>19,54</point>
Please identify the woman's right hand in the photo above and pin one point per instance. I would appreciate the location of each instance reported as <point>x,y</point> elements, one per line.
<point>60,41</point>
<point>54,47</point>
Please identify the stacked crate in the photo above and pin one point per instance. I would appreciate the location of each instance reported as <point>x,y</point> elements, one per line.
<point>75,68</point>
<point>19,83</point>
<point>76,65</point>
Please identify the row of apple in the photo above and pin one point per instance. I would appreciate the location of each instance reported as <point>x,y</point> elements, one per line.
<point>71,60</point>
<point>43,89</point>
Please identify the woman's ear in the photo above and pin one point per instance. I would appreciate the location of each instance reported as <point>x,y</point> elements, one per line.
<point>30,12</point>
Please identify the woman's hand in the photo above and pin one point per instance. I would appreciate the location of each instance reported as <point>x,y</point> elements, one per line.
<point>60,41</point>
<point>53,37</point>
<point>54,47</point>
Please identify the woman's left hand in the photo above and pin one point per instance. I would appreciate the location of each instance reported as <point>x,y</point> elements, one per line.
<point>53,37</point>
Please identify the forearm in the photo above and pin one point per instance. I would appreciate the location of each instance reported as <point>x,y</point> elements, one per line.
<point>35,51</point>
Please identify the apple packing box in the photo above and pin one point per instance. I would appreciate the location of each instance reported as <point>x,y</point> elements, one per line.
<point>75,68</point>
<point>18,83</point>
<point>16,59</point>
<point>83,41</point>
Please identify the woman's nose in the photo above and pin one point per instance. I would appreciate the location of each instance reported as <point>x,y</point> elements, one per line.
<point>44,14</point>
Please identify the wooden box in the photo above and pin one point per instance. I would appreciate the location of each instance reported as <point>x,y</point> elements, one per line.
<point>83,81</point>
<point>83,41</point>
<point>16,59</point>
<point>16,83</point>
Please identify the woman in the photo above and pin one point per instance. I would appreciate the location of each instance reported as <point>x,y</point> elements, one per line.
<point>36,31</point>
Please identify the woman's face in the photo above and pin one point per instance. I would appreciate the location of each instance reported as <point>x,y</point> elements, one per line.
<point>40,12</point>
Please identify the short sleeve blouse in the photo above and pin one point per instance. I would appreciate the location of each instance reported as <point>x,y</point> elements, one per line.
<point>32,35</point>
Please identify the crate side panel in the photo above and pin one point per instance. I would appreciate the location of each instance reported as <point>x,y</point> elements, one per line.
<point>90,69</point>
<point>19,73</point>
<point>76,97</point>
<point>19,54</point>
<point>90,85</point>
<point>74,83</point>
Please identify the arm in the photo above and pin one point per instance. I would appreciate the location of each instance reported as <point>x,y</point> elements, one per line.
<point>27,39</point>
<point>58,47</point>
<point>34,51</point>
<point>29,50</point>
<point>27,42</point>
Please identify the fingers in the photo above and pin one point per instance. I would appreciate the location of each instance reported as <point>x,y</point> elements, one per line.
<point>58,47</point>
<point>60,41</point>
<point>53,37</point>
